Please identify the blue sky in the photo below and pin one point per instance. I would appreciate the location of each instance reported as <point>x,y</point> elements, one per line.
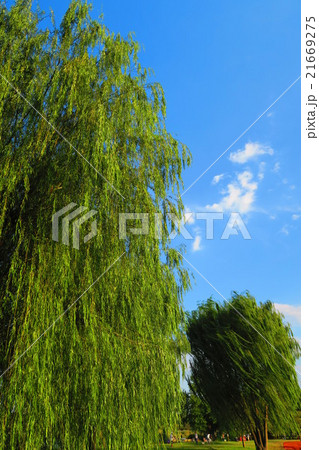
<point>222,64</point>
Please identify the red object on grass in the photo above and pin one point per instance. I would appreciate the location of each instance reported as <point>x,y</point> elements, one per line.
<point>292,445</point>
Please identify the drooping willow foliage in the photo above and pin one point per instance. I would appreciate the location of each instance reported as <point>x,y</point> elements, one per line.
<point>106,374</point>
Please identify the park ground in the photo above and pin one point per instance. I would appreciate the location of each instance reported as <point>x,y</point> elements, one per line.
<point>273,445</point>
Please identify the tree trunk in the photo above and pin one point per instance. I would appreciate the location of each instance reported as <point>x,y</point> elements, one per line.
<point>260,446</point>
<point>260,435</point>
<point>261,442</point>
<point>243,441</point>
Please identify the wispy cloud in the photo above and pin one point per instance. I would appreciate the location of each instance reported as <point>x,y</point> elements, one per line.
<point>217,178</point>
<point>295,216</point>
<point>239,195</point>
<point>196,244</point>
<point>189,216</point>
<point>251,151</point>
<point>291,312</point>
<point>261,172</point>
<point>276,167</point>
<point>285,230</point>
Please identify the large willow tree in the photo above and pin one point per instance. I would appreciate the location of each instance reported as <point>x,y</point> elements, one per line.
<point>106,374</point>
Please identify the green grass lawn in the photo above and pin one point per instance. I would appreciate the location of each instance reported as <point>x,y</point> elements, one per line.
<point>273,445</point>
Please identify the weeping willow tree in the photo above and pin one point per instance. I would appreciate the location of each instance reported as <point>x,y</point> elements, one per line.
<point>81,122</point>
<point>243,366</point>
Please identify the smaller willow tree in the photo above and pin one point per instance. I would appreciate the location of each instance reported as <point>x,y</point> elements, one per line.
<point>107,374</point>
<point>243,359</point>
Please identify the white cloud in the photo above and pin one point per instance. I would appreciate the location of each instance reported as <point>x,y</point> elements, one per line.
<point>189,216</point>
<point>276,167</point>
<point>261,173</point>
<point>251,151</point>
<point>285,230</point>
<point>197,229</point>
<point>295,216</point>
<point>196,244</point>
<point>217,178</point>
<point>239,196</point>
<point>289,311</point>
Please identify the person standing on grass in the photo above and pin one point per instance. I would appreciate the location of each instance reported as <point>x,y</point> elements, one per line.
<point>196,438</point>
